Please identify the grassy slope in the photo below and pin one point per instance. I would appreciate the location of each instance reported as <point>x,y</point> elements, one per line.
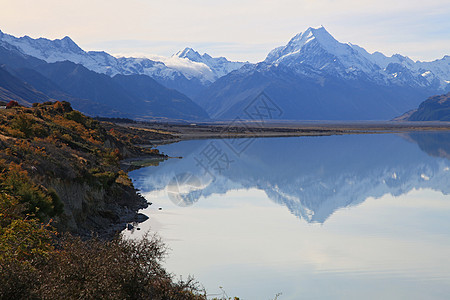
<point>436,108</point>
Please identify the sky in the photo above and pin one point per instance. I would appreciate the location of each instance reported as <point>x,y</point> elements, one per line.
<point>244,30</point>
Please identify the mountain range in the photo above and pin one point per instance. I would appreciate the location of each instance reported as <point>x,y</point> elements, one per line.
<point>312,77</point>
<point>186,70</point>
<point>28,79</point>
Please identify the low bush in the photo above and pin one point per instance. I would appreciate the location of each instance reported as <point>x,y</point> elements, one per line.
<point>96,269</point>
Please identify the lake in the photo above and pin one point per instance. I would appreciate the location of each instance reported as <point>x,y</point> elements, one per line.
<point>337,217</point>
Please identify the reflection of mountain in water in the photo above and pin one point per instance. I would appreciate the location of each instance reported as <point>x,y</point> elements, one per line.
<point>312,176</point>
<point>435,143</point>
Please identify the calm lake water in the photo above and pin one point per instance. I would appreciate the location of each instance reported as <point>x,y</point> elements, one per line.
<point>339,217</point>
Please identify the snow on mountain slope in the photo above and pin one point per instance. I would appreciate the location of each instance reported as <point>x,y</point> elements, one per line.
<point>437,71</point>
<point>45,49</point>
<point>101,62</point>
<point>319,49</point>
<point>439,68</point>
<point>381,60</point>
<point>220,66</point>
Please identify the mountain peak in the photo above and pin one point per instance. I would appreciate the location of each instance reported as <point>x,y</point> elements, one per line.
<point>319,30</point>
<point>215,66</point>
<point>69,42</point>
<point>67,38</point>
<point>189,53</point>
<point>320,35</point>
<point>317,48</point>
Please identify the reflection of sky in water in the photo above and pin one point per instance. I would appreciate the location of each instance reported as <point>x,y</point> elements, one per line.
<point>247,237</point>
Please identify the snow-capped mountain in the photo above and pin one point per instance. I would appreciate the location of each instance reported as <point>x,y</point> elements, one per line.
<point>316,77</point>
<point>436,73</point>
<point>178,72</point>
<point>317,48</point>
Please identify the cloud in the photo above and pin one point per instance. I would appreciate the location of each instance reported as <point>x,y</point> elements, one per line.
<point>189,68</point>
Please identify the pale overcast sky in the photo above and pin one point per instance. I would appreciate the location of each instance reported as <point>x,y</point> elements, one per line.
<point>238,29</point>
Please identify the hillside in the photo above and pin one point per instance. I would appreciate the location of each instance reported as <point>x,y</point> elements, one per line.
<point>12,88</point>
<point>436,108</point>
<point>77,159</point>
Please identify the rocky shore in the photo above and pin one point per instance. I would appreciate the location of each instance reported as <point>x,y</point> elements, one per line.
<point>78,162</point>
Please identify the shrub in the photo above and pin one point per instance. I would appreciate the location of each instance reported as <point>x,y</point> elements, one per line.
<point>39,131</point>
<point>75,116</point>
<point>96,269</point>
<point>23,123</point>
<point>35,200</point>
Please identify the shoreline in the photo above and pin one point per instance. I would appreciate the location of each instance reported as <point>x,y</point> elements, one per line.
<point>180,132</point>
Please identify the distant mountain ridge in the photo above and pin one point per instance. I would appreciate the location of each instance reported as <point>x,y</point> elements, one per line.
<point>179,74</point>
<point>27,79</point>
